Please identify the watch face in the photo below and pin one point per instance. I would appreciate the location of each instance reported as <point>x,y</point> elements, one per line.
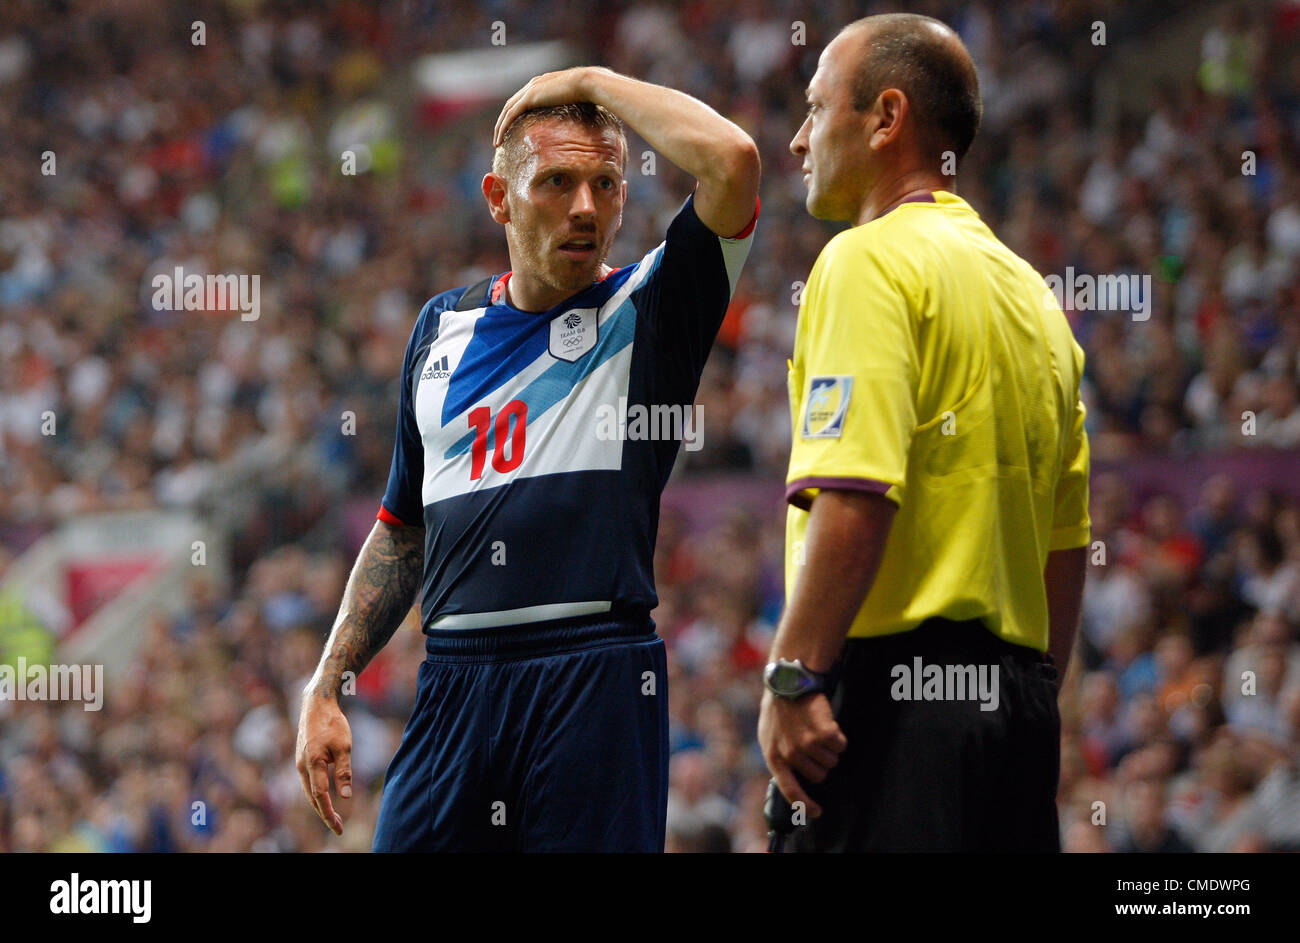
<point>787,679</point>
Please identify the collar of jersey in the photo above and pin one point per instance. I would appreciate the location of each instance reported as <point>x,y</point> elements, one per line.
<point>594,295</point>
<point>932,197</point>
<point>927,197</point>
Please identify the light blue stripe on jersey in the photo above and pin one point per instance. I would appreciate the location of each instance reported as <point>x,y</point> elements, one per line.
<point>562,377</point>
<point>482,372</point>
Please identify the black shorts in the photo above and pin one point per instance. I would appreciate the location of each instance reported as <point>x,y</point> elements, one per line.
<point>941,774</point>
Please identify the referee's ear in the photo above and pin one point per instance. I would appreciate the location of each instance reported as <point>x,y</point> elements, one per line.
<point>497,194</point>
<point>892,109</point>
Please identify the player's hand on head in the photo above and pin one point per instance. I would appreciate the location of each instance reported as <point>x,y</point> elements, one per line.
<point>541,91</point>
<point>800,737</point>
<point>324,740</point>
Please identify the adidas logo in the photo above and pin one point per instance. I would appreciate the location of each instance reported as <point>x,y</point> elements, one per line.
<point>436,370</point>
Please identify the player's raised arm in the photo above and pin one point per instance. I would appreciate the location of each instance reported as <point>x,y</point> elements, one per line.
<point>379,594</point>
<point>717,152</point>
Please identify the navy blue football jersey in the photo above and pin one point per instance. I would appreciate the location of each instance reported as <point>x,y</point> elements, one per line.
<point>518,445</point>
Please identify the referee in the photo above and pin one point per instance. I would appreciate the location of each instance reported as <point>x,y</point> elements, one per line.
<point>523,509</point>
<point>938,482</point>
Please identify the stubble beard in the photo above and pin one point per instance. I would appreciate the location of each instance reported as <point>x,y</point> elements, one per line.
<point>554,270</point>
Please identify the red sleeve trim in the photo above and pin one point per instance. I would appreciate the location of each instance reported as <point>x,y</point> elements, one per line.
<point>758,202</point>
<point>388,517</point>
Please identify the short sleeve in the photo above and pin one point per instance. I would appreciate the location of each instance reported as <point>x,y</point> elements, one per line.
<point>854,380</point>
<point>687,294</point>
<point>403,501</point>
<point>1071,525</point>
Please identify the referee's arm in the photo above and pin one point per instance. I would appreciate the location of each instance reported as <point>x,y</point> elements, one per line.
<point>1067,559</point>
<point>1063,577</point>
<point>843,545</point>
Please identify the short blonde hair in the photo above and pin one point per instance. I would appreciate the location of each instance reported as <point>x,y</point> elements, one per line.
<point>508,158</point>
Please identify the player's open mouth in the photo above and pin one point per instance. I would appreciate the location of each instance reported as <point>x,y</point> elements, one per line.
<point>578,248</point>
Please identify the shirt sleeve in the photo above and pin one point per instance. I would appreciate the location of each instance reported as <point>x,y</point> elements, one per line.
<point>854,379</point>
<point>1071,524</point>
<point>403,501</point>
<point>687,294</point>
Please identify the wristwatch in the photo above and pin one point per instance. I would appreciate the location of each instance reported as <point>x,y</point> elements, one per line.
<point>791,680</point>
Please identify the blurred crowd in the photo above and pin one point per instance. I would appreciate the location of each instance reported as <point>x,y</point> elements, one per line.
<point>130,149</point>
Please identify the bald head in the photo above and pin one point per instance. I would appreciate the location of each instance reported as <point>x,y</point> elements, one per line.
<point>927,62</point>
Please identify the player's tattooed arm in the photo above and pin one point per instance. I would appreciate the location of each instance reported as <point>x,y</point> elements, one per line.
<point>379,594</point>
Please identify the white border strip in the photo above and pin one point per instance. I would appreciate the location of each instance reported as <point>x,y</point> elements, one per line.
<point>487,620</point>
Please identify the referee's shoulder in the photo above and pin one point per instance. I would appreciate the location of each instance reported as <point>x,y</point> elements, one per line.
<point>883,233</point>
<point>877,241</point>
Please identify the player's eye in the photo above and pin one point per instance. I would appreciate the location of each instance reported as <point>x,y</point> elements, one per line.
<point>556,179</point>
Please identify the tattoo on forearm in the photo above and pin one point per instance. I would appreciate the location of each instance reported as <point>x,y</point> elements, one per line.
<point>379,594</point>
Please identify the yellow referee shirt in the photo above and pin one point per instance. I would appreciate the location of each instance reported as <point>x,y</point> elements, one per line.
<point>933,365</point>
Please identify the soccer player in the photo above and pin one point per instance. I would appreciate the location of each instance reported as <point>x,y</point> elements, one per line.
<point>540,721</point>
<point>937,486</point>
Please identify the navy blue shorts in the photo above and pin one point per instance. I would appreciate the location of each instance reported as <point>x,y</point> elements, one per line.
<point>549,737</point>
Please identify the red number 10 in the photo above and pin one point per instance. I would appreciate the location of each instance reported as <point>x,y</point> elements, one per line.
<point>480,420</point>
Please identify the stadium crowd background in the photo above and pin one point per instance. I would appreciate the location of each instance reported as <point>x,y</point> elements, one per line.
<point>225,158</point>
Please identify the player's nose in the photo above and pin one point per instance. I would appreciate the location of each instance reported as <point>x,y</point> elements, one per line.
<point>584,201</point>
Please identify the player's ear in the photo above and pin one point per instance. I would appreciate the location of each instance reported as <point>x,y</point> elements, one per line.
<point>618,221</point>
<point>497,194</point>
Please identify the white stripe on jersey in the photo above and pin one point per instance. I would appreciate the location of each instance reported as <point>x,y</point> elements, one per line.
<point>563,438</point>
<point>488,620</point>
